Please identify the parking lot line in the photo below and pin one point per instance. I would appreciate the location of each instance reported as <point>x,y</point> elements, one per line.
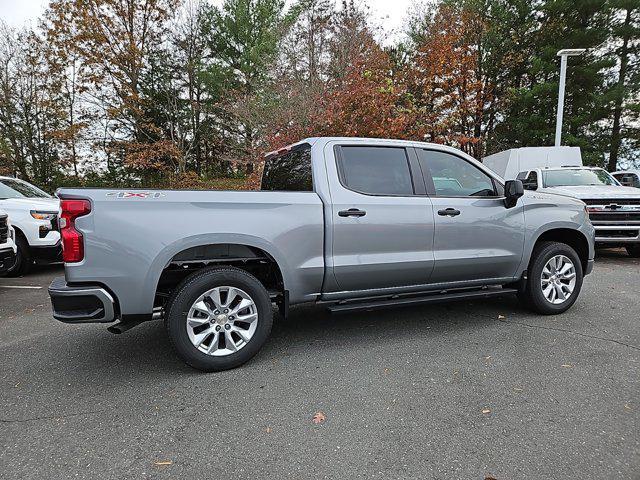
<point>21,286</point>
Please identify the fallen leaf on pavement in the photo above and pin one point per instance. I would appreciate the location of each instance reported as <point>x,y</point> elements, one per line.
<point>318,418</point>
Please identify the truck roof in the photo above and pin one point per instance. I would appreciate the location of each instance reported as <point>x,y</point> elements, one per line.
<point>313,140</point>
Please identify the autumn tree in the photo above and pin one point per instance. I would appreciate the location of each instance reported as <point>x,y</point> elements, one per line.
<point>114,39</point>
<point>451,95</point>
<point>30,109</point>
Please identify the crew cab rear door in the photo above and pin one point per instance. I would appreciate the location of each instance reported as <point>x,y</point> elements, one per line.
<point>476,236</point>
<point>381,220</point>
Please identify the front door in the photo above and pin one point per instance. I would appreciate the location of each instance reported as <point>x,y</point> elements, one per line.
<point>476,236</point>
<point>382,234</point>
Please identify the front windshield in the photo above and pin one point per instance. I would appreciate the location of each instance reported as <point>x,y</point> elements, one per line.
<point>12,188</point>
<point>573,177</point>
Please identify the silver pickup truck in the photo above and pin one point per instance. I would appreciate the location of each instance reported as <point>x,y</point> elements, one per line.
<point>349,223</point>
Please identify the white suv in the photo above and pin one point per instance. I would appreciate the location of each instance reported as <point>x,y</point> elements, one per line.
<point>34,216</point>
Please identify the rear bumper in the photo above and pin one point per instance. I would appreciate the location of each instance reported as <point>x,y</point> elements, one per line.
<point>7,259</point>
<point>81,304</point>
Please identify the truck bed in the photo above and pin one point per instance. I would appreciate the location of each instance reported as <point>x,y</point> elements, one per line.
<point>131,236</point>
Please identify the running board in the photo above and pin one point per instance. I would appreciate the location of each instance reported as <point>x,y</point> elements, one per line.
<point>441,296</point>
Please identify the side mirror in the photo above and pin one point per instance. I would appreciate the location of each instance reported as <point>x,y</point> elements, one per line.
<point>513,190</point>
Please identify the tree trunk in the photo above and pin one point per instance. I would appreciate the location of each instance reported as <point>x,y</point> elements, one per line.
<point>617,110</point>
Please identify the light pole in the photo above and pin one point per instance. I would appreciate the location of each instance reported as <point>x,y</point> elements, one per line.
<point>563,54</point>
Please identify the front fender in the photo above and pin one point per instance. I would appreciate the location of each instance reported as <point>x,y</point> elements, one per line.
<point>546,213</point>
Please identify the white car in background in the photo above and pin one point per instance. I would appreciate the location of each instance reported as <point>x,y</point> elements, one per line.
<point>7,246</point>
<point>34,217</point>
<point>628,178</point>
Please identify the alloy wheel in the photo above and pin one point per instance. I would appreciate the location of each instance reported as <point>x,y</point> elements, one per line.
<point>222,321</point>
<point>558,279</point>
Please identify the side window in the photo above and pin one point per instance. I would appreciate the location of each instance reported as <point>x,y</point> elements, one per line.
<point>529,180</point>
<point>375,170</point>
<point>628,179</point>
<point>290,172</point>
<point>455,177</point>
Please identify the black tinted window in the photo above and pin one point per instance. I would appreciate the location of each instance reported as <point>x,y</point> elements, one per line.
<point>529,181</point>
<point>628,179</point>
<point>376,170</point>
<point>455,177</point>
<point>290,172</point>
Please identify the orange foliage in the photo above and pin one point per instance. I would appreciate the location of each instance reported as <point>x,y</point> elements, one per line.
<point>439,96</point>
<point>447,89</point>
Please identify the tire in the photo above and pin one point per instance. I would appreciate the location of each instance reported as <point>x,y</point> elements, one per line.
<point>22,264</point>
<point>634,250</point>
<point>201,328</point>
<point>533,295</point>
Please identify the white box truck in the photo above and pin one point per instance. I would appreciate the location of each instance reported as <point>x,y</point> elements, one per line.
<point>613,209</point>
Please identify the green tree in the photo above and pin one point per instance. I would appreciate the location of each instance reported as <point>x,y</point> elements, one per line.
<point>242,39</point>
<point>625,91</point>
<point>530,113</point>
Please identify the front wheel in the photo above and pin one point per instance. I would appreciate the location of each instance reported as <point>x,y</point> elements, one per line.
<point>634,250</point>
<point>219,318</point>
<point>554,278</point>
<point>22,263</point>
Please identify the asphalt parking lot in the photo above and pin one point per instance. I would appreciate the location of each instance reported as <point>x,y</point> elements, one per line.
<point>469,390</point>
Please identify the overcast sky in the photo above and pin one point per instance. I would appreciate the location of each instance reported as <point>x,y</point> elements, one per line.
<point>388,13</point>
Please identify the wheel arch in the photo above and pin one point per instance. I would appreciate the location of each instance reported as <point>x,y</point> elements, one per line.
<point>251,254</point>
<point>19,231</point>
<point>569,236</point>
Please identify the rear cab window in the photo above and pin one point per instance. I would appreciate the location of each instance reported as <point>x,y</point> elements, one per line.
<point>289,171</point>
<point>374,170</point>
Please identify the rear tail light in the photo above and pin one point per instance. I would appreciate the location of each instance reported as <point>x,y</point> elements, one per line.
<point>72,241</point>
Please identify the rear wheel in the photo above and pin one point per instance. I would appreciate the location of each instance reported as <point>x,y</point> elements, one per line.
<point>634,250</point>
<point>554,278</point>
<point>219,318</point>
<point>23,258</point>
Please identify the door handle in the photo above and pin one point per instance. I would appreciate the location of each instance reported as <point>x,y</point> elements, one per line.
<point>352,212</point>
<point>449,212</point>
